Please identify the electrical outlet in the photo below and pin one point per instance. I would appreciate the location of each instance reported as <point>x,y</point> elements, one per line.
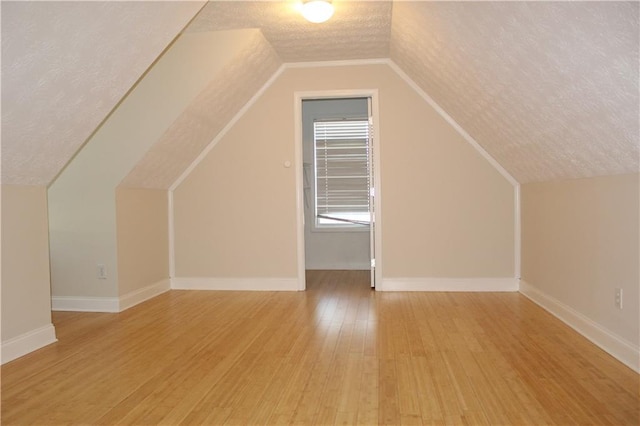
<point>101,271</point>
<point>619,298</point>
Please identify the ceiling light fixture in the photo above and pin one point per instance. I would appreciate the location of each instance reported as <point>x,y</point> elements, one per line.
<point>317,11</point>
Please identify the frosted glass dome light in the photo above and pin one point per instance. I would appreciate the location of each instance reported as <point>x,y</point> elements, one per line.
<point>317,11</point>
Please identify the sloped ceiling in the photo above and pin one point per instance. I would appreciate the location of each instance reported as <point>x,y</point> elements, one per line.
<point>550,89</point>
<point>357,30</point>
<point>65,65</point>
<point>206,116</point>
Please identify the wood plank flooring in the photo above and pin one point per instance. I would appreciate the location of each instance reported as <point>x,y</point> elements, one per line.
<point>338,353</point>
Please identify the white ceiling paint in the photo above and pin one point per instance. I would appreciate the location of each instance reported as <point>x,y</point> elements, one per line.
<point>65,65</point>
<point>357,29</point>
<point>230,88</point>
<point>549,89</point>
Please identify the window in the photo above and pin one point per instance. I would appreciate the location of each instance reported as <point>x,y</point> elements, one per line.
<point>342,184</point>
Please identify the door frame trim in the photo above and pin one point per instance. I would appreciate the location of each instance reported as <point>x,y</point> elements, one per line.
<point>300,96</point>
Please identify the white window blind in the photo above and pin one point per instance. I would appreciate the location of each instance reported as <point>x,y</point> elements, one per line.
<point>342,172</point>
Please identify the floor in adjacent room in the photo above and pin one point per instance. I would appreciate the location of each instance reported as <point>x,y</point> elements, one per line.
<point>338,353</point>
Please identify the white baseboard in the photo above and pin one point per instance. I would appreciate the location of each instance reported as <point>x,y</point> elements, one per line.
<point>338,267</point>
<point>618,347</point>
<point>138,296</point>
<point>448,284</point>
<point>109,304</point>
<point>28,342</point>
<point>237,284</point>
<point>85,304</point>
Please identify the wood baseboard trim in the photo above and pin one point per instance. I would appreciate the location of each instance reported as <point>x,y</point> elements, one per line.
<point>616,346</point>
<point>28,342</point>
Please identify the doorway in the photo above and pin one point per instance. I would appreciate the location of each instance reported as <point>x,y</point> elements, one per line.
<point>337,186</point>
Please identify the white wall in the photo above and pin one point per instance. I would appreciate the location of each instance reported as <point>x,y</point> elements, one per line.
<point>330,249</point>
<point>580,242</point>
<point>82,200</point>
<point>25,291</point>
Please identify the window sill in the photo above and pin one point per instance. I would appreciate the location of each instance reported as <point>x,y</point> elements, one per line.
<point>336,229</point>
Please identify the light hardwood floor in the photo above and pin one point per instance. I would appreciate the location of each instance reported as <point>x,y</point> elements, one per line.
<point>338,353</point>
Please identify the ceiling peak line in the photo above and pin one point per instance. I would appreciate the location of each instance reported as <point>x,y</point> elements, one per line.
<point>339,63</point>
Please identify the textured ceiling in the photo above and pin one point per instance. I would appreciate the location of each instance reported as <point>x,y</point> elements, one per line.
<point>549,89</point>
<point>357,30</point>
<point>65,65</point>
<point>206,116</point>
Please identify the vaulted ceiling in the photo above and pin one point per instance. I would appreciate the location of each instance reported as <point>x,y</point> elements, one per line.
<point>549,89</point>
<point>65,66</point>
<point>358,29</point>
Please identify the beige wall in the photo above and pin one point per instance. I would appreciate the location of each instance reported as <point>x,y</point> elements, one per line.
<point>143,238</point>
<point>580,242</point>
<point>235,214</point>
<point>26,295</point>
<point>82,200</point>
<point>445,211</point>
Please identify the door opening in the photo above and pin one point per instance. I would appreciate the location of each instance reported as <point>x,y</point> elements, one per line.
<point>337,187</point>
